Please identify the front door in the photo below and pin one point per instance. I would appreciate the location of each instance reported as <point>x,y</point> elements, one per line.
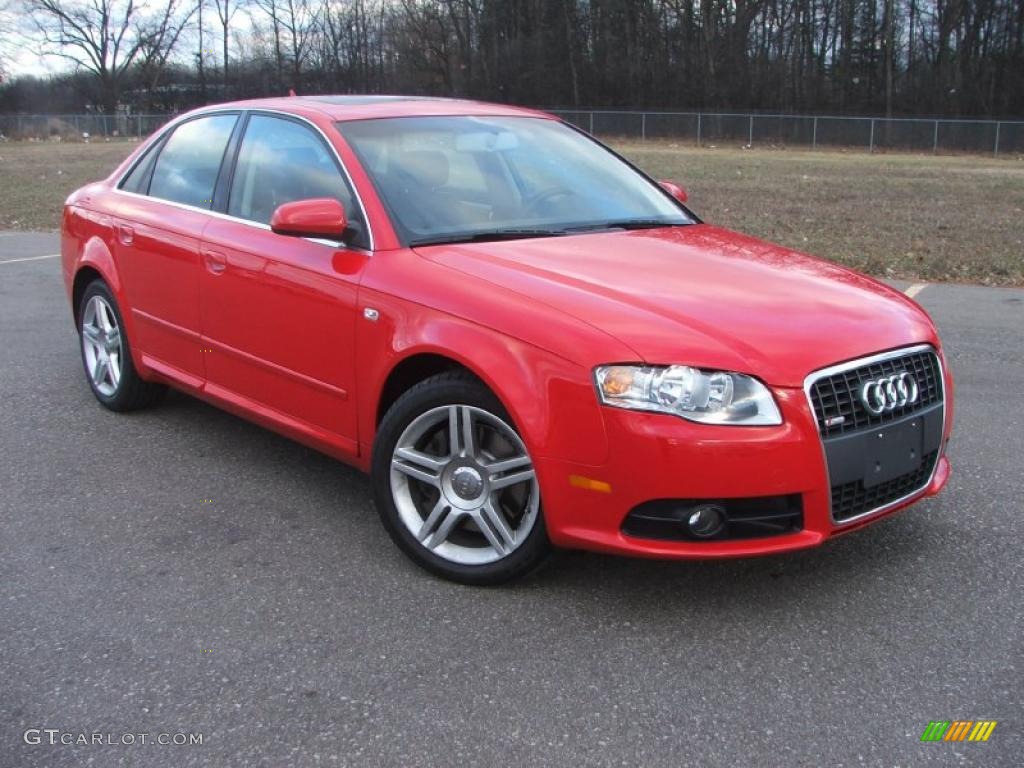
<point>278,312</point>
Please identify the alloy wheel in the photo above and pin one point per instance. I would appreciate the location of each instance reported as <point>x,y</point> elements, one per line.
<point>101,346</point>
<point>464,485</point>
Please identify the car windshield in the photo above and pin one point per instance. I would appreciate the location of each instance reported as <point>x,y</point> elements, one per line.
<point>457,179</point>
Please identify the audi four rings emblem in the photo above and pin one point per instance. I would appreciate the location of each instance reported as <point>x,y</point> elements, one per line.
<point>889,392</point>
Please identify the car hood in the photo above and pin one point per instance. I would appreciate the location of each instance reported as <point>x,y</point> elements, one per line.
<point>704,296</point>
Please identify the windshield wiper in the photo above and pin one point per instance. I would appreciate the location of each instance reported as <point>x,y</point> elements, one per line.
<point>625,224</point>
<point>488,236</point>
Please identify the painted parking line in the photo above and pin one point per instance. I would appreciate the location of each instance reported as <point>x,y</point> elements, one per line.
<point>915,289</point>
<point>30,258</point>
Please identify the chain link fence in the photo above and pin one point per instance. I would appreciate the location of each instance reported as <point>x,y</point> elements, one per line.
<point>697,128</point>
<point>805,131</point>
<point>78,127</point>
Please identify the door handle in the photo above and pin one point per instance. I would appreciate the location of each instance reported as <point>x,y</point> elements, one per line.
<point>216,262</point>
<point>125,234</point>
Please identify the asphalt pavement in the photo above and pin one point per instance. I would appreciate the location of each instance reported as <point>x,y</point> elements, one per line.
<point>181,571</point>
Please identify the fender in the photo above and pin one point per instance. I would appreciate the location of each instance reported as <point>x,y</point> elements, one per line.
<point>550,399</point>
<point>96,255</point>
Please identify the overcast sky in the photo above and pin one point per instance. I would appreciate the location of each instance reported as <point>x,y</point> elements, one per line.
<point>21,51</point>
<point>26,62</point>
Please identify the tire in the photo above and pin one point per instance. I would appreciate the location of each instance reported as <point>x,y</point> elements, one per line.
<point>465,508</point>
<point>106,354</point>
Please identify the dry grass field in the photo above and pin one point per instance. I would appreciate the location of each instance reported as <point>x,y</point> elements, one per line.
<point>892,215</point>
<point>36,177</point>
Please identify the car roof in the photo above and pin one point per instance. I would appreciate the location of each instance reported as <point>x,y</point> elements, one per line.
<point>367,107</point>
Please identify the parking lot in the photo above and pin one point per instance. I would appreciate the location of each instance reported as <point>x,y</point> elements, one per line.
<point>183,571</point>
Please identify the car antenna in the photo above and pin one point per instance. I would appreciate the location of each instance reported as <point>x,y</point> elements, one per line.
<point>291,91</point>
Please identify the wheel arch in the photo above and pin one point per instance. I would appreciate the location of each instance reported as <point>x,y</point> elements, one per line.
<point>85,275</point>
<point>410,371</point>
<point>550,400</point>
<point>96,262</point>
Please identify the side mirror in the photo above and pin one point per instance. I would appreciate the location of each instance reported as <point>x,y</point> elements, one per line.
<point>316,217</point>
<point>675,190</point>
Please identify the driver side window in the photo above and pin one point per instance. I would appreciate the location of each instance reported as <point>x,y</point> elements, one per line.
<point>281,161</point>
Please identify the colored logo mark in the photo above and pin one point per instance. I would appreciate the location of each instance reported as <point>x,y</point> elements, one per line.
<point>958,730</point>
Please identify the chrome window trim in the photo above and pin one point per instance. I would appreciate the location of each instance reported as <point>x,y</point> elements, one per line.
<point>242,111</point>
<point>859,362</point>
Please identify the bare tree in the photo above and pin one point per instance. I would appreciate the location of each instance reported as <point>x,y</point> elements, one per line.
<point>350,42</point>
<point>226,10</point>
<point>273,11</point>
<point>160,40</point>
<point>301,22</point>
<point>6,22</point>
<point>429,43</point>
<point>104,37</point>
<point>201,55</point>
<point>296,28</point>
<point>850,56</point>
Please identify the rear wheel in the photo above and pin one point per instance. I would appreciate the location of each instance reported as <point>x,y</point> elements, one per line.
<point>455,485</point>
<point>106,355</point>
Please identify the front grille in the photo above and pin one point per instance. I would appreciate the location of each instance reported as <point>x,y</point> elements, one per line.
<point>852,499</point>
<point>857,441</point>
<point>838,394</point>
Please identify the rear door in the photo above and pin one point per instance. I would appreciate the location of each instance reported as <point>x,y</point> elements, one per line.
<point>159,227</point>
<point>278,312</point>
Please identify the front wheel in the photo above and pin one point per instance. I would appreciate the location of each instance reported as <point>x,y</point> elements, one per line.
<point>454,484</point>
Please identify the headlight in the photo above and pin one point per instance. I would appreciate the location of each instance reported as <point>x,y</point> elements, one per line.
<point>711,397</point>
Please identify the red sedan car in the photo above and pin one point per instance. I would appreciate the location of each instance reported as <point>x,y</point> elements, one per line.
<point>526,340</point>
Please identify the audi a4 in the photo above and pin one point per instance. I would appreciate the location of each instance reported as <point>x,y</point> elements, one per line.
<point>525,340</point>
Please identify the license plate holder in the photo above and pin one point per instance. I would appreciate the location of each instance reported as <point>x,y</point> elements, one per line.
<point>893,450</point>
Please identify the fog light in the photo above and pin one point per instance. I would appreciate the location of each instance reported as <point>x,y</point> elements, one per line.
<point>706,521</point>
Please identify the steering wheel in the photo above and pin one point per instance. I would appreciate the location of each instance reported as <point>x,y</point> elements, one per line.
<point>544,196</point>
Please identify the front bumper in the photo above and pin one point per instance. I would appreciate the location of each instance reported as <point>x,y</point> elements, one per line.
<point>655,456</point>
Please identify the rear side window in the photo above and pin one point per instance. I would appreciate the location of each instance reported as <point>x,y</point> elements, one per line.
<point>186,170</point>
<point>281,161</point>
<point>138,180</point>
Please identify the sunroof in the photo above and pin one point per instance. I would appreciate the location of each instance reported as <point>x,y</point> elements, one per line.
<point>357,100</point>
